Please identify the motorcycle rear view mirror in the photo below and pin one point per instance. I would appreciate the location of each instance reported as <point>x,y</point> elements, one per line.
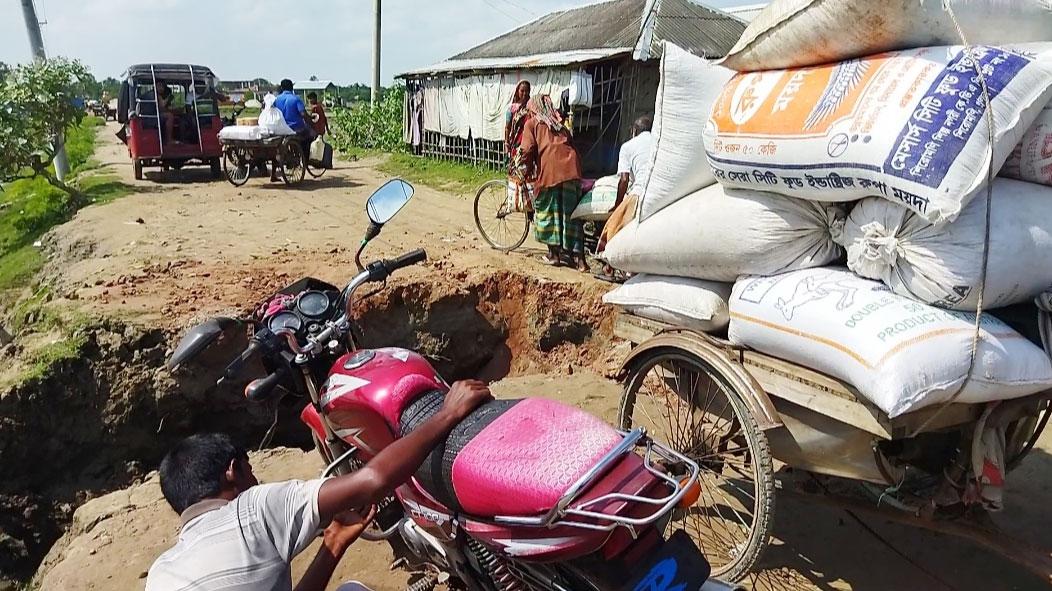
<point>381,207</point>
<point>203,336</point>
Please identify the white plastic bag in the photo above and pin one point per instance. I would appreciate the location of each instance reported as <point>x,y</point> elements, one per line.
<point>717,234</point>
<point>271,119</point>
<point>900,354</point>
<point>796,33</point>
<point>909,126</point>
<point>689,86</point>
<point>679,301</point>
<point>941,265</point>
<point>1031,160</point>
<point>596,204</point>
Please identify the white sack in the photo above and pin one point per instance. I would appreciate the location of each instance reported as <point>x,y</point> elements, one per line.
<point>941,265</point>
<point>243,133</point>
<point>679,301</point>
<point>900,354</point>
<point>596,204</point>
<point>795,33</point>
<point>689,86</point>
<point>717,234</point>
<point>270,120</point>
<point>909,126</point>
<point>1032,159</point>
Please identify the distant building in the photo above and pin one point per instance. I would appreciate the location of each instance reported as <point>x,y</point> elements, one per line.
<point>239,90</point>
<point>606,55</point>
<point>747,12</point>
<point>321,87</point>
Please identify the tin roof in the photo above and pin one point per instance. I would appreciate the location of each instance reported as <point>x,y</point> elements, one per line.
<point>313,84</point>
<point>746,12</point>
<point>169,71</point>
<point>599,31</point>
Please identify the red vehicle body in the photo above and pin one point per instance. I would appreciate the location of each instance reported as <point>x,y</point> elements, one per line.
<point>195,114</point>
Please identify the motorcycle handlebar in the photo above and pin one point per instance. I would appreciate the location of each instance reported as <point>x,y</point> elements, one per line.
<point>263,388</point>
<point>234,369</point>
<point>408,259</point>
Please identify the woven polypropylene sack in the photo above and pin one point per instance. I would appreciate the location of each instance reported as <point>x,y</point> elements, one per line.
<point>689,86</point>
<point>719,234</point>
<point>900,354</point>
<point>1031,160</point>
<point>942,265</point>
<point>679,301</point>
<point>909,126</point>
<point>797,33</point>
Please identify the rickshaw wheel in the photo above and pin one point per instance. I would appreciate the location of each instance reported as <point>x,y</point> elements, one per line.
<point>687,404</point>
<point>501,227</point>
<point>1023,435</point>
<point>137,168</point>
<point>236,166</point>
<point>292,161</point>
<point>215,167</point>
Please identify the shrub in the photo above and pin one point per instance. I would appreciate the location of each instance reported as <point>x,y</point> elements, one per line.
<point>373,127</point>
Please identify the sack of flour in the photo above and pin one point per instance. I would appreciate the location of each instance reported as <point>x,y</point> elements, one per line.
<point>1031,160</point>
<point>679,301</point>
<point>596,204</point>
<point>900,354</point>
<point>797,33</point>
<point>909,126</point>
<point>717,234</point>
<point>941,265</point>
<point>689,85</point>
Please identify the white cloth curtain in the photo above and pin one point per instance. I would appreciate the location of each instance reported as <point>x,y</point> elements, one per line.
<point>475,106</point>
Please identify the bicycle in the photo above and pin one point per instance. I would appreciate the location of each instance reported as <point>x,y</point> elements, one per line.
<point>501,216</point>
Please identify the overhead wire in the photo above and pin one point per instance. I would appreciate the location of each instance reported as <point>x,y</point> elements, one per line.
<point>500,10</point>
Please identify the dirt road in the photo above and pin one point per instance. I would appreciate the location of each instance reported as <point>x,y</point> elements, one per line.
<point>183,248</point>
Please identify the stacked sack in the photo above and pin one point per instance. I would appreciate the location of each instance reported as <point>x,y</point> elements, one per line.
<point>875,146</point>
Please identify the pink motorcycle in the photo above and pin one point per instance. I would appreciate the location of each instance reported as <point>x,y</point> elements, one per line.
<point>525,494</point>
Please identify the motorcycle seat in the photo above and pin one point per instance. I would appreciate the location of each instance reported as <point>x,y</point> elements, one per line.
<point>509,457</point>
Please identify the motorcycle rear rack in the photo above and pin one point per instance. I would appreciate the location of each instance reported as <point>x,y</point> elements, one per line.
<point>562,514</point>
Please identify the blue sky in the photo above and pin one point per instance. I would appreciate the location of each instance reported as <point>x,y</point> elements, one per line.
<point>331,39</point>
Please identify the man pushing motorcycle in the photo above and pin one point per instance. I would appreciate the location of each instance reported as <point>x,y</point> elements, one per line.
<point>239,535</point>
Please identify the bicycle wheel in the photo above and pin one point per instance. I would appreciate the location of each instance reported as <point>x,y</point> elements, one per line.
<point>292,162</point>
<point>236,166</point>
<point>501,227</point>
<point>686,403</point>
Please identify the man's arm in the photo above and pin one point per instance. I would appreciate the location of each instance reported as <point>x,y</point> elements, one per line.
<point>624,172</point>
<point>338,537</point>
<point>396,463</point>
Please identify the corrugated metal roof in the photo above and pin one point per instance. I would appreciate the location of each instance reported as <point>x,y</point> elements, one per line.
<point>313,84</point>
<point>540,60</point>
<point>747,12</point>
<point>605,25</point>
<point>614,27</point>
<point>699,29</point>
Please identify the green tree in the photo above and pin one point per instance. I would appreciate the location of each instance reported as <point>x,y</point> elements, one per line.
<point>111,86</point>
<point>36,105</point>
<point>4,71</point>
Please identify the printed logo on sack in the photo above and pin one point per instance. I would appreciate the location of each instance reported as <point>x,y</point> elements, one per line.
<point>751,93</point>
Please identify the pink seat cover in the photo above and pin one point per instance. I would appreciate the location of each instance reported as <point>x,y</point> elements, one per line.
<point>526,459</point>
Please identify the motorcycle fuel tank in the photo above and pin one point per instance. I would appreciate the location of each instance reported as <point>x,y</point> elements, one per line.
<point>367,390</point>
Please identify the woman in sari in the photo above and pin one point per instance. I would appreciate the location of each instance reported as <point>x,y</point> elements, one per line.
<point>546,144</point>
<point>515,120</point>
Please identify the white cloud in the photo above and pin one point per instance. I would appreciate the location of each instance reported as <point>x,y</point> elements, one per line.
<point>271,38</point>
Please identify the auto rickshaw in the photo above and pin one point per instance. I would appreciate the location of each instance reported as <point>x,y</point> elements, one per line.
<point>171,117</point>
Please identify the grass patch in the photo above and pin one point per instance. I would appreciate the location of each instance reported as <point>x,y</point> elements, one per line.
<point>51,335</point>
<point>31,207</point>
<point>452,177</point>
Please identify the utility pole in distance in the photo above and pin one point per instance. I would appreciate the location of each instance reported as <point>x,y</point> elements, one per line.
<point>36,44</point>
<point>376,53</point>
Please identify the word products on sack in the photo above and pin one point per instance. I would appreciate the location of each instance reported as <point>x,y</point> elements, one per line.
<point>909,126</point>
<point>942,265</point>
<point>798,33</point>
<point>718,234</point>
<point>900,354</point>
<point>680,301</point>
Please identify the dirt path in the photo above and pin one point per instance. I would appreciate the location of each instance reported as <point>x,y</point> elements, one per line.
<point>183,248</point>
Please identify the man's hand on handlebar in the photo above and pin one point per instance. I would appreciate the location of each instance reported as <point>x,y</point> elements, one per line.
<point>464,397</point>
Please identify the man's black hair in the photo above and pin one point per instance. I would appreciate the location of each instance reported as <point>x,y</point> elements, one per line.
<point>313,96</point>
<point>286,84</point>
<point>643,123</point>
<point>193,470</point>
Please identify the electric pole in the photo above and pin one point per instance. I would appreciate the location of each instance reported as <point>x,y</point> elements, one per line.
<point>36,44</point>
<point>376,53</point>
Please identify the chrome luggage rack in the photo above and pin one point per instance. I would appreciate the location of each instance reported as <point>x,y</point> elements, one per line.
<point>562,510</point>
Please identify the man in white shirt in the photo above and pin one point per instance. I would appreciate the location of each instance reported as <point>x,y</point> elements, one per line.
<point>238,535</point>
<point>633,168</point>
